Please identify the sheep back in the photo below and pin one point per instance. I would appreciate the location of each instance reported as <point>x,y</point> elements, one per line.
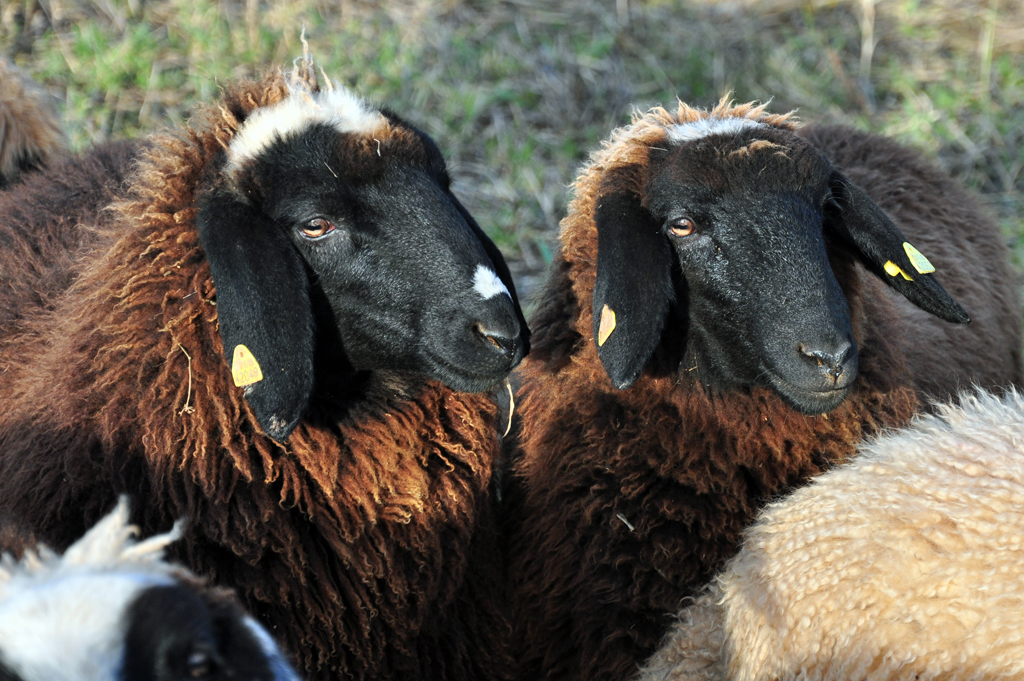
<point>629,501</point>
<point>903,563</point>
<point>29,131</point>
<point>44,223</point>
<point>365,543</point>
<point>945,221</point>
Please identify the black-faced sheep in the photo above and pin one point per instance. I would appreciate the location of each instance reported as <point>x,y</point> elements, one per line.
<point>111,609</point>
<point>268,337</point>
<point>717,329</point>
<point>905,563</point>
<point>29,131</point>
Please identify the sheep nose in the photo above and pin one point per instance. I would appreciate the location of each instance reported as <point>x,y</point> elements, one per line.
<point>832,362</point>
<point>502,340</point>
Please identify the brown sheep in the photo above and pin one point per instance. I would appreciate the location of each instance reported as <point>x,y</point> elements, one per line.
<point>740,290</point>
<point>29,131</point>
<point>904,563</point>
<point>334,475</point>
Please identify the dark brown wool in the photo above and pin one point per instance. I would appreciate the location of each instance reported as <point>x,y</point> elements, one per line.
<point>627,502</point>
<point>44,223</point>
<point>366,544</point>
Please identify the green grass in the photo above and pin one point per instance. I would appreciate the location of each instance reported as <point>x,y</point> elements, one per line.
<point>517,93</point>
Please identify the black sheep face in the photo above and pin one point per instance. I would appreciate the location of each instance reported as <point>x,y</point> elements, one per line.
<point>736,226</point>
<point>329,204</point>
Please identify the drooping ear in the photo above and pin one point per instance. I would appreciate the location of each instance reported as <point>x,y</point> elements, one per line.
<point>633,290</point>
<point>263,306</point>
<point>861,223</point>
<point>500,268</point>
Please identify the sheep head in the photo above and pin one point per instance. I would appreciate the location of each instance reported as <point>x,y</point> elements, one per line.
<point>112,609</point>
<point>733,221</point>
<point>331,229</point>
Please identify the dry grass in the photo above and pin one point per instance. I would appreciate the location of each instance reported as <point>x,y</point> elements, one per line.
<point>518,92</point>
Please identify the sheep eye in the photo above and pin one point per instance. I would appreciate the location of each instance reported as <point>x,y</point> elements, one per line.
<point>829,201</point>
<point>683,227</point>
<point>317,228</point>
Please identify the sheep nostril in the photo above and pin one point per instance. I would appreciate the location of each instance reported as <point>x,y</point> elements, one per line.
<point>500,340</point>
<point>831,362</point>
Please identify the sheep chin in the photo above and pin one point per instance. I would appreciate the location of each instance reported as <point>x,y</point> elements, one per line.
<point>809,402</point>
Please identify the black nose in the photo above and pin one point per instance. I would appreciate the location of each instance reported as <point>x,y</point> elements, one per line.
<point>501,340</point>
<point>831,361</point>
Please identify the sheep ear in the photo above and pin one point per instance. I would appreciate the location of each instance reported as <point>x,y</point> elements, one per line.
<point>263,306</point>
<point>633,290</point>
<point>500,268</point>
<point>862,224</point>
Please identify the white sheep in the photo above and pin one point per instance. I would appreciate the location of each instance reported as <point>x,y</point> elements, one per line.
<point>907,563</point>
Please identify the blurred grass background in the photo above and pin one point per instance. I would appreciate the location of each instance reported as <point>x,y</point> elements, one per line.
<point>518,92</point>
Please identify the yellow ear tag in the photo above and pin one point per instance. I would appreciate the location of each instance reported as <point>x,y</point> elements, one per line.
<point>607,325</point>
<point>245,370</point>
<point>892,269</point>
<point>919,262</point>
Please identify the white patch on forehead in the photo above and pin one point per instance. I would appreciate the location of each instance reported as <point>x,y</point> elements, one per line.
<point>705,127</point>
<point>70,628</point>
<point>338,108</point>
<point>487,283</point>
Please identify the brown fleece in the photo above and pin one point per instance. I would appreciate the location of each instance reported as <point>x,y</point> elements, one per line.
<point>44,223</point>
<point>629,501</point>
<point>29,131</point>
<point>365,544</point>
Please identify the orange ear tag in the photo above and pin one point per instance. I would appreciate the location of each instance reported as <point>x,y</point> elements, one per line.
<point>892,269</point>
<point>245,370</point>
<point>919,262</point>
<point>607,325</point>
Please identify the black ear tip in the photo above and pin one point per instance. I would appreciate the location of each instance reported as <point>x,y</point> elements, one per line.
<point>622,379</point>
<point>625,383</point>
<point>278,414</point>
<point>278,429</point>
<point>960,316</point>
<point>621,374</point>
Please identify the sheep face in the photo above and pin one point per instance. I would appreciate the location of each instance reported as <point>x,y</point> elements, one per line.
<point>127,626</point>
<point>331,239</point>
<point>736,227</point>
<point>110,609</point>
